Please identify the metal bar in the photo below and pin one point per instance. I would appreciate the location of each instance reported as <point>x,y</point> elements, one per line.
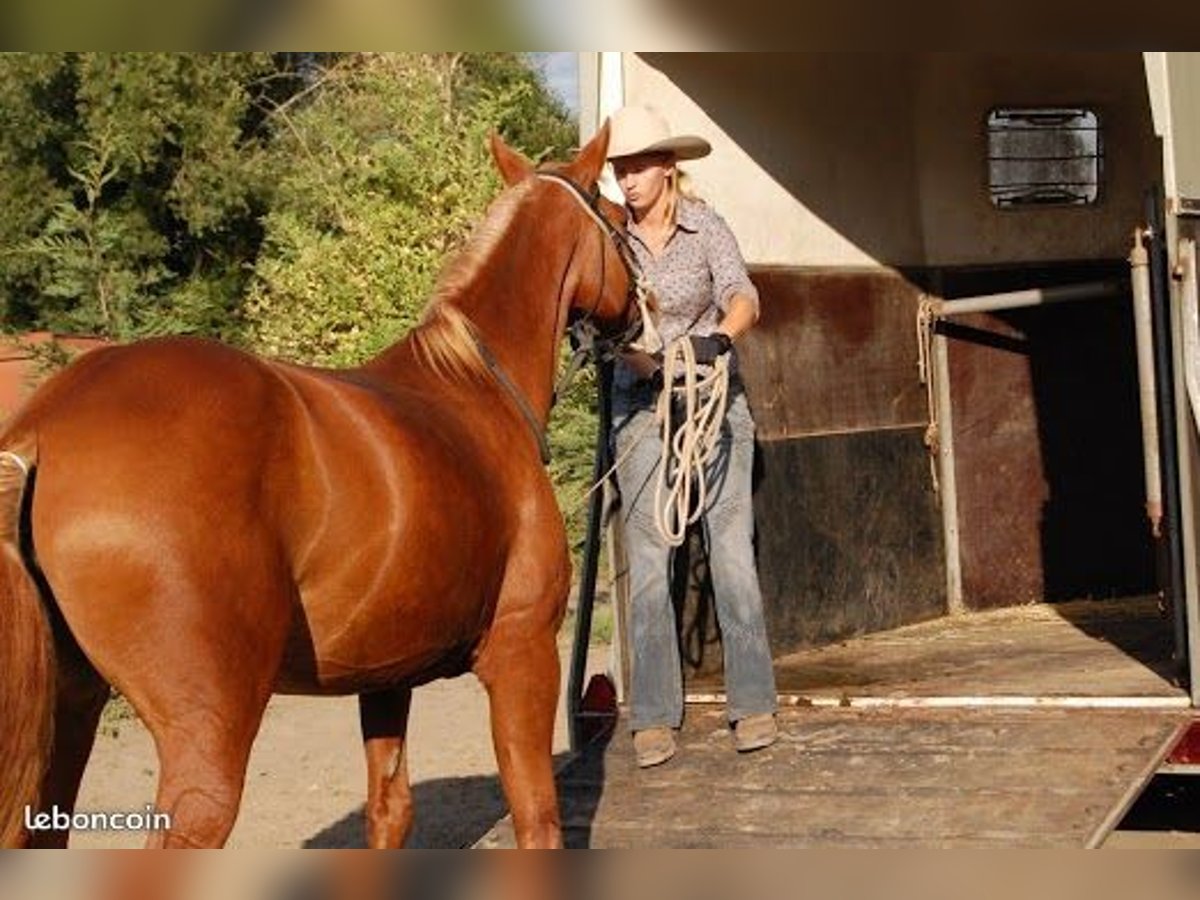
<point>617,577</point>
<point>1170,387</point>
<point>586,600</point>
<point>1186,206</point>
<point>1189,769</point>
<point>1179,701</point>
<point>947,480</point>
<point>1188,318</point>
<point>1088,290</point>
<point>1139,268</point>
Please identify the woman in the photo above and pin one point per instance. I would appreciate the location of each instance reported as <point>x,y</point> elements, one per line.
<point>704,296</point>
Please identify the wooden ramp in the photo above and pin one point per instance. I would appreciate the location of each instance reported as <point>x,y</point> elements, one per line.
<point>872,778</point>
<point>1112,650</point>
<point>1034,727</point>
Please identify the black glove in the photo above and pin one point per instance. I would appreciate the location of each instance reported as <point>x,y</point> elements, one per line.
<point>708,347</point>
<point>655,379</point>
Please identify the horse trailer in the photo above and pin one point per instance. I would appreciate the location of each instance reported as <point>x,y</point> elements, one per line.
<point>976,379</point>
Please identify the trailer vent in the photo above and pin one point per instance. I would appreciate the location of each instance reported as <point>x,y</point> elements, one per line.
<point>1044,157</point>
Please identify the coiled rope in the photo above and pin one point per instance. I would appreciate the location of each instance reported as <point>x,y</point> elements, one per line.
<point>689,415</point>
<point>690,410</point>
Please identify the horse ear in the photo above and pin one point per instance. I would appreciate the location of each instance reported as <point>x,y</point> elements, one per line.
<point>512,164</point>
<point>586,167</point>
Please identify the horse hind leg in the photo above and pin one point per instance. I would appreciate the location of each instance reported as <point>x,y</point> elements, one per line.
<point>202,771</point>
<point>204,722</point>
<point>80,698</point>
<point>197,662</point>
<point>203,704</point>
<point>383,716</point>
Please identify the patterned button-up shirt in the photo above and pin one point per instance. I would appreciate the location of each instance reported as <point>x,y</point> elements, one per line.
<point>694,278</point>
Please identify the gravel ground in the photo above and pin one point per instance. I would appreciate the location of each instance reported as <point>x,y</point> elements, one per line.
<point>306,781</point>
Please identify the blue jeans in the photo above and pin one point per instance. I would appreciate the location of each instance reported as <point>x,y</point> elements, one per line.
<point>656,690</point>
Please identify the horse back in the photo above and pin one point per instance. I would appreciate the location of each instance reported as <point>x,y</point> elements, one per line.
<point>165,447</point>
<point>383,514</point>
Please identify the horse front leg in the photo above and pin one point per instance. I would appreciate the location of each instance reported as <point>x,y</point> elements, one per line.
<point>383,716</point>
<point>519,668</point>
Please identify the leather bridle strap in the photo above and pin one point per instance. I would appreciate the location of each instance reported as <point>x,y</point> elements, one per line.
<point>514,392</point>
<point>636,281</point>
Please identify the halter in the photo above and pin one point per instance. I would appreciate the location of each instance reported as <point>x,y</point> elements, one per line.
<point>637,293</point>
<point>638,285</point>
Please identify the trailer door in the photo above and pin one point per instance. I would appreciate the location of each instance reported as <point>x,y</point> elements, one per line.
<point>1173,81</point>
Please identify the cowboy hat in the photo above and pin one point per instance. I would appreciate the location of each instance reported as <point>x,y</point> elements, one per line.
<point>642,129</point>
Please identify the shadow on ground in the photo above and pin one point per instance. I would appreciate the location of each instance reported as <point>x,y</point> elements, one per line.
<point>1137,626</point>
<point>449,813</point>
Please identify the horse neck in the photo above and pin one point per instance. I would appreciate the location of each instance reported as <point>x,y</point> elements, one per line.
<point>513,304</point>
<point>519,319</point>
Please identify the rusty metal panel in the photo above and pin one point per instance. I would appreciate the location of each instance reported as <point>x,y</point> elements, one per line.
<point>848,528</point>
<point>848,542</point>
<point>1002,489</point>
<point>849,533</point>
<point>1047,450</point>
<point>834,351</point>
<point>854,537</point>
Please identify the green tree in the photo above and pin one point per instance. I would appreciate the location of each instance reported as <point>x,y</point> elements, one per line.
<point>380,178</point>
<point>536,120</point>
<point>384,171</point>
<point>300,204</point>
<point>141,181</point>
<point>34,96</point>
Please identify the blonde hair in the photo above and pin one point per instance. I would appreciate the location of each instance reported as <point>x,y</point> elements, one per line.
<point>679,184</point>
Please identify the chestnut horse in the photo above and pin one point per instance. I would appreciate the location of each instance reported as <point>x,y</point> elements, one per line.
<point>199,528</point>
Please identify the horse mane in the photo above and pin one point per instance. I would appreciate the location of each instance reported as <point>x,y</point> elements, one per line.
<point>444,339</point>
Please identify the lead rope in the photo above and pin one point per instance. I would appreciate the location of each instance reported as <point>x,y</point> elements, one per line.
<point>927,373</point>
<point>686,447</point>
<point>649,341</point>
<point>689,445</point>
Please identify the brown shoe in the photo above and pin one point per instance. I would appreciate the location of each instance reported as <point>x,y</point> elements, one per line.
<point>653,746</point>
<point>755,732</point>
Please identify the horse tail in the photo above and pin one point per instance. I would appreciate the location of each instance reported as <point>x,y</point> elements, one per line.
<point>27,663</point>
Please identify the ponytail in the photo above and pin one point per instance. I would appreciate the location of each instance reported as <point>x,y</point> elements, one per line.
<point>679,184</point>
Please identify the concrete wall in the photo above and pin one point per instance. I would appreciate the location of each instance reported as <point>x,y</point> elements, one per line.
<point>879,159</point>
<point>1183,70</point>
